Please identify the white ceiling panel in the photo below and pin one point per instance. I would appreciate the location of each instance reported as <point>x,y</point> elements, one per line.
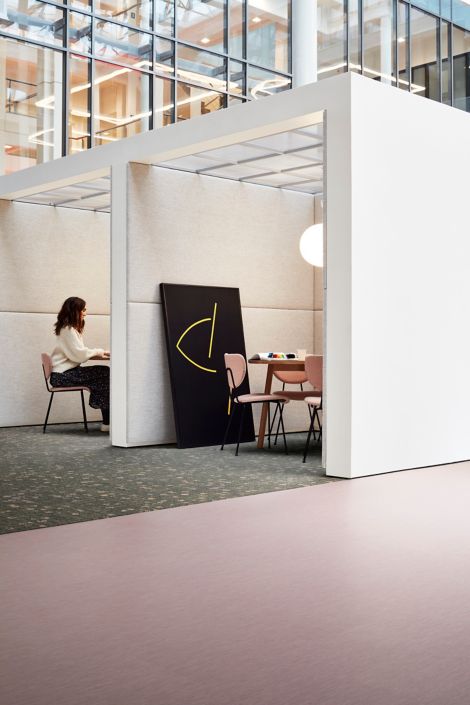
<point>283,142</point>
<point>192,162</point>
<point>236,153</point>
<point>237,171</point>
<point>315,173</point>
<point>278,179</point>
<point>89,195</point>
<point>279,162</point>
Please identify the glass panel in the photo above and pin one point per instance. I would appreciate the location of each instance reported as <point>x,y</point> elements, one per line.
<point>268,33</point>
<point>164,21</point>
<point>424,74</point>
<point>121,102</point>
<point>127,46</point>
<point>79,32</point>
<point>461,13</point>
<point>461,43</point>
<point>33,20</point>
<point>234,101</point>
<point>236,28</point>
<point>79,104</point>
<point>446,10</point>
<point>201,67</point>
<point>429,5</point>
<point>32,115</point>
<point>163,102</point>
<point>263,83</point>
<point>403,66</point>
<point>137,13</point>
<point>237,78</point>
<point>202,22</point>
<point>354,36</point>
<point>331,38</point>
<point>378,40</point>
<point>446,87</point>
<point>164,57</point>
<point>193,101</point>
<point>81,4</point>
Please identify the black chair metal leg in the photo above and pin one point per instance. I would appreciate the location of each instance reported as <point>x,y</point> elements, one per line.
<point>281,419</point>
<point>242,417</point>
<point>48,410</point>
<point>312,415</point>
<point>229,423</point>
<point>320,430</point>
<point>278,427</point>
<point>84,412</point>
<point>272,425</point>
<point>310,429</point>
<point>269,425</point>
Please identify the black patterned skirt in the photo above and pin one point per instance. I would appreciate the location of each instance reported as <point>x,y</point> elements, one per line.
<point>95,377</point>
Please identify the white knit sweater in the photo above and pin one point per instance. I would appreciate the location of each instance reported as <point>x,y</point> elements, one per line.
<point>70,350</point>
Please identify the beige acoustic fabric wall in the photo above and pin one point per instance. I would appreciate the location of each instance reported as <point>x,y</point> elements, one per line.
<point>46,255</point>
<point>190,229</point>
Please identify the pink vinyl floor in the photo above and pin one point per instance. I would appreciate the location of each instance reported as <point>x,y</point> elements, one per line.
<point>348,593</point>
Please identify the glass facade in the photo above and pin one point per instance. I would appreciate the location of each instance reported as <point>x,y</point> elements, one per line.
<point>77,74</point>
<point>422,47</point>
<point>82,73</point>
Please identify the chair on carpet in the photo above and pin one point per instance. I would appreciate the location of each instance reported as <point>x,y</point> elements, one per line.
<point>314,372</point>
<point>290,377</point>
<point>47,369</point>
<point>235,366</point>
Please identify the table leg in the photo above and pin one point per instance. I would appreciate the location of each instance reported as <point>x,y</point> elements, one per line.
<point>264,409</point>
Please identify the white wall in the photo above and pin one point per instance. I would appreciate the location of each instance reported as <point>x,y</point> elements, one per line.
<point>410,286</point>
<point>185,228</point>
<point>46,255</point>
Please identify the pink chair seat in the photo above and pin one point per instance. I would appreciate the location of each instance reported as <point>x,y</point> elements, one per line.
<point>291,376</point>
<point>250,398</point>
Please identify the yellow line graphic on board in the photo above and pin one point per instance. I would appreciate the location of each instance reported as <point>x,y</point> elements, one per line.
<point>212,331</point>
<point>197,323</point>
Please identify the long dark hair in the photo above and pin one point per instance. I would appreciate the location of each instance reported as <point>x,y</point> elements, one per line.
<point>69,315</point>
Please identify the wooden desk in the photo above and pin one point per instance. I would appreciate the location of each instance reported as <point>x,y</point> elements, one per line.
<point>293,365</point>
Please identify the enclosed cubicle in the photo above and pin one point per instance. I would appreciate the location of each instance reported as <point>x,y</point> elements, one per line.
<point>396,291</point>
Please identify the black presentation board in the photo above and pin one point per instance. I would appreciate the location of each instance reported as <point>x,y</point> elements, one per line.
<point>201,324</point>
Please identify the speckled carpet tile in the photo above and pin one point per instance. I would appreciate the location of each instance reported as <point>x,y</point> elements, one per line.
<point>66,476</point>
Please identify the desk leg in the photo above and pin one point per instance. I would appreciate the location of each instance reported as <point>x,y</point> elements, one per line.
<point>264,410</point>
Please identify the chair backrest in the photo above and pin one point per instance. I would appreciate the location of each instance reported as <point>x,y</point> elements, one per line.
<point>290,376</point>
<point>235,364</point>
<point>46,367</point>
<point>314,371</point>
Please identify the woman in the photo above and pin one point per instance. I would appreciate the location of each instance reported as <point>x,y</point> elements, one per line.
<point>70,352</point>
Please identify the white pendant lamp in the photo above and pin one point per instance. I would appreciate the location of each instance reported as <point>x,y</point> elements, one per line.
<point>311,245</point>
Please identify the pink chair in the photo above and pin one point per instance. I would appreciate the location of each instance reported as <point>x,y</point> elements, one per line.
<point>314,372</point>
<point>47,369</point>
<point>290,377</point>
<point>235,366</point>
